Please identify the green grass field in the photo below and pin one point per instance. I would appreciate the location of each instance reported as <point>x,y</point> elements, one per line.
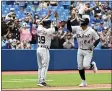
<point>55,80</point>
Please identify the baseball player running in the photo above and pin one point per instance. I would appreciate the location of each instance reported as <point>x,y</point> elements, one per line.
<point>87,40</point>
<point>44,32</point>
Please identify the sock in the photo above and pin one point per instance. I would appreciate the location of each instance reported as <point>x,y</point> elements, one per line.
<point>91,66</point>
<point>82,74</point>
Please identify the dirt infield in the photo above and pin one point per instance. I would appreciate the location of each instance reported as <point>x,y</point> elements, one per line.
<point>53,72</point>
<point>90,87</point>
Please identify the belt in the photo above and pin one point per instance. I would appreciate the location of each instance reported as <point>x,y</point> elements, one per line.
<point>43,46</point>
<point>84,49</point>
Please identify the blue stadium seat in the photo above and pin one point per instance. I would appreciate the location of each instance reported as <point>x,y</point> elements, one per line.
<point>5,12</point>
<point>10,6</point>
<point>3,3</point>
<point>18,16</point>
<point>3,7</point>
<point>60,3</point>
<point>67,11</point>
<point>49,7</point>
<point>16,7</point>
<point>29,8</point>
<point>67,3</point>
<point>61,18</point>
<point>7,9</point>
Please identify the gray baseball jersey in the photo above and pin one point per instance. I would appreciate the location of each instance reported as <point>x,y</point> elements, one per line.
<point>45,35</point>
<point>85,37</point>
<point>85,40</point>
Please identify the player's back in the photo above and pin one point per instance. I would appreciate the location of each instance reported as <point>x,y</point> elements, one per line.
<point>44,36</point>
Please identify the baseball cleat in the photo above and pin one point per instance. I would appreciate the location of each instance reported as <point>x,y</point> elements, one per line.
<point>39,84</point>
<point>94,67</point>
<point>83,84</point>
<point>42,84</point>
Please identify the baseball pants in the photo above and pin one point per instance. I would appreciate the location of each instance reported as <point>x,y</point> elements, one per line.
<point>84,58</point>
<point>43,58</point>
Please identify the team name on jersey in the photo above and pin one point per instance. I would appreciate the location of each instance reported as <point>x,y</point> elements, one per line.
<point>83,36</point>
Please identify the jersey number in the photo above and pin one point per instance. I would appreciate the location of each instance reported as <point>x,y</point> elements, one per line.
<point>41,39</point>
<point>85,41</point>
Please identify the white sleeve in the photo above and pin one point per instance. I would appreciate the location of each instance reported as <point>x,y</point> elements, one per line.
<point>74,28</point>
<point>51,30</point>
<point>95,35</point>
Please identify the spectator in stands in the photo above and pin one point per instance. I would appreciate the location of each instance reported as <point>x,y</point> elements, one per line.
<point>72,5</point>
<point>43,4</point>
<point>28,19</point>
<point>99,12</point>
<point>110,39</point>
<point>36,18</point>
<point>34,35</point>
<point>97,9</point>
<point>80,8</point>
<point>11,15</point>
<point>107,7</point>
<point>74,18</point>
<point>4,28</point>
<point>69,43</point>
<point>104,39</point>
<point>18,44</point>
<point>55,41</point>
<point>88,9</point>
<point>10,40</point>
<point>53,3</point>
<point>25,34</point>
<point>13,44</point>
<point>100,27</point>
<point>23,45</point>
<point>107,19</point>
<point>4,42</point>
<point>98,18</point>
<point>15,30</point>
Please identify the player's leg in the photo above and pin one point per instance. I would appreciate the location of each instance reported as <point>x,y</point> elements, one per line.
<point>48,59</point>
<point>39,61</point>
<point>45,62</point>
<point>87,64</point>
<point>80,58</point>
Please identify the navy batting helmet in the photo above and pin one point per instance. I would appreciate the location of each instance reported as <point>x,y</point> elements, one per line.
<point>84,21</point>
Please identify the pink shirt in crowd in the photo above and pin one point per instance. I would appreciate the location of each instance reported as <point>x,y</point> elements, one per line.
<point>25,35</point>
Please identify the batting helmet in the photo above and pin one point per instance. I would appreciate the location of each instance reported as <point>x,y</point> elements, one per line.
<point>84,21</point>
<point>46,23</point>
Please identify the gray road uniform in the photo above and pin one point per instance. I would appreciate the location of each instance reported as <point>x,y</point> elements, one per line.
<point>85,42</point>
<point>43,56</point>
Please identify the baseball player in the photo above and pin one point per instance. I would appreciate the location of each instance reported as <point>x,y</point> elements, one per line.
<point>44,33</point>
<point>87,40</point>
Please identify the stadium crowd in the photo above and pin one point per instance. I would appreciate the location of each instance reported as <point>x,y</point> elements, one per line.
<point>20,20</point>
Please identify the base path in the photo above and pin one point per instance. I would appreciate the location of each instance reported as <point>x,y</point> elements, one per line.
<point>90,87</point>
<point>53,72</point>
